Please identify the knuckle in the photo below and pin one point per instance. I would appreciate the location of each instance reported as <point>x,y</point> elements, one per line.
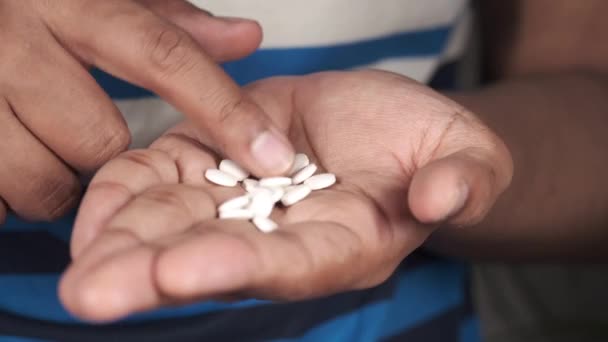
<point>168,49</point>
<point>230,110</point>
<point>57,197</point>
<point>99,148</point>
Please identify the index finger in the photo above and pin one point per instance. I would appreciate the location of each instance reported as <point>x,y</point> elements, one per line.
<point>129,41</point>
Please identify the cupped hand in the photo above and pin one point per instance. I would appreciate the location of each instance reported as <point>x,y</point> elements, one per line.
<point>55,120</point>
<point>406,159</point>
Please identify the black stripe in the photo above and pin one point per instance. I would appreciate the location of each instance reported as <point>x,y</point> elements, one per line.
<point>259,323</point>
<point>443,328</point>
<point>32,252</point>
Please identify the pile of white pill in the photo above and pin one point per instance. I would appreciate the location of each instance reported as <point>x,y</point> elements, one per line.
<point>263,194</point>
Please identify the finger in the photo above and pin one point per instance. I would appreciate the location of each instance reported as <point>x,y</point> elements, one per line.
<point>173,158</point>
<point>33,182</point>
<point>459,188</point>
<point>115,185</point>
<point>65,108</point>
<point>163,211</point>
<point>191,158</point>
<point>223,39</point>
<point>301,259</point>
<point>121,284</point>
<point>169,212</point>
<point>3,211</point>
<point>153,53</point>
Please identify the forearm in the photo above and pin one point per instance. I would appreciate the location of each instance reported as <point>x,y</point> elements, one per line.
<point>557,205</point>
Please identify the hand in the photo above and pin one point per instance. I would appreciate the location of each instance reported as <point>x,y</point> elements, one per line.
<point>55,121</point>
<point>406,158</point>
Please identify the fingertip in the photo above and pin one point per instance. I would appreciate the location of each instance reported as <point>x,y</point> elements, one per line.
<point>437,192</point>
<point>247,135</point>
<point>115,288</point>
<point>273,152</point>
<point>99,204</point>
<point>223,38</point>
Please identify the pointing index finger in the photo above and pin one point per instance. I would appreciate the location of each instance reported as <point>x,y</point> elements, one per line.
<point>131,42</point>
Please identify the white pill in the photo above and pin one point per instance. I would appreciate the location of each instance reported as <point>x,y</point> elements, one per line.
<point>220,177</point>
<point>277,194</point>
<point>304,174</point>
<point>235,203</point>
<point>250,184</point>
<point>289,188</point>
<point>264,224</point>
<point>237,214</point>
<point>262,203</point>
<point>233,169</point>
<point>321,181</point>
<point>295,195</point>
<point>299,162</point>
<point>273,182</point>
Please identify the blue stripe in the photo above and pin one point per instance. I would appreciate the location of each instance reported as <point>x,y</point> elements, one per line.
<point>35,296</point>
<point>470,331</point>
<point>61,229</point>
<point>420,295</point>
<point>20,339</point>
<point>298,61</point>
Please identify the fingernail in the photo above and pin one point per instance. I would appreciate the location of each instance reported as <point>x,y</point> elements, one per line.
<point>460,198</point>
<point>272,152</point>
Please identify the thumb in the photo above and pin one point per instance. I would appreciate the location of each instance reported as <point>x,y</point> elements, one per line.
<point>222,38</point>
<point>459,188</point>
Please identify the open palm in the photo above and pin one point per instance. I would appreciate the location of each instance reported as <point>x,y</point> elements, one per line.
<point>406,158</point>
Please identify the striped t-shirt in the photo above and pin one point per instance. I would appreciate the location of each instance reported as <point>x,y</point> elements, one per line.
<point>425,300</point>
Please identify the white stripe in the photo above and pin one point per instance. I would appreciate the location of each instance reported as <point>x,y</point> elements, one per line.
<point>297,23</point>
<point>147,119</point>
<point>459,37</point>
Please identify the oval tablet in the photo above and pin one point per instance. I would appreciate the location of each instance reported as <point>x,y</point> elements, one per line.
<point>272,182</point>
<point>304,174</point>
<point>250,184</point>
<point>235,203</point>
<point>295,195</point>
<point>264,224</point>
<point>220,178</point>
<point>299,162</point>
<point>277,194</point>
<point>321,181</point>
<point>262,203</point>
<point>236,214</point>
<point>233,169</point>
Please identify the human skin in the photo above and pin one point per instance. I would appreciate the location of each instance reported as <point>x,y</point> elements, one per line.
<point>57,124</point>
<point>399,169</point>
<point>406,159</point>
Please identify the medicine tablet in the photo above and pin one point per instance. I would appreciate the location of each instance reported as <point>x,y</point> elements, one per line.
<point>262,203</point>
<point>304,174</point>
<point>237,214</point>
<point>233,169</point>
<point>273,182</point>
<point>220,178</point>
<point>264,224</point>
<point>235,203</point>
<point>321,181</point>
<point>295,195</point>
<point>250,184</point>
<point>277,194</point>
<point>300,161</point>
